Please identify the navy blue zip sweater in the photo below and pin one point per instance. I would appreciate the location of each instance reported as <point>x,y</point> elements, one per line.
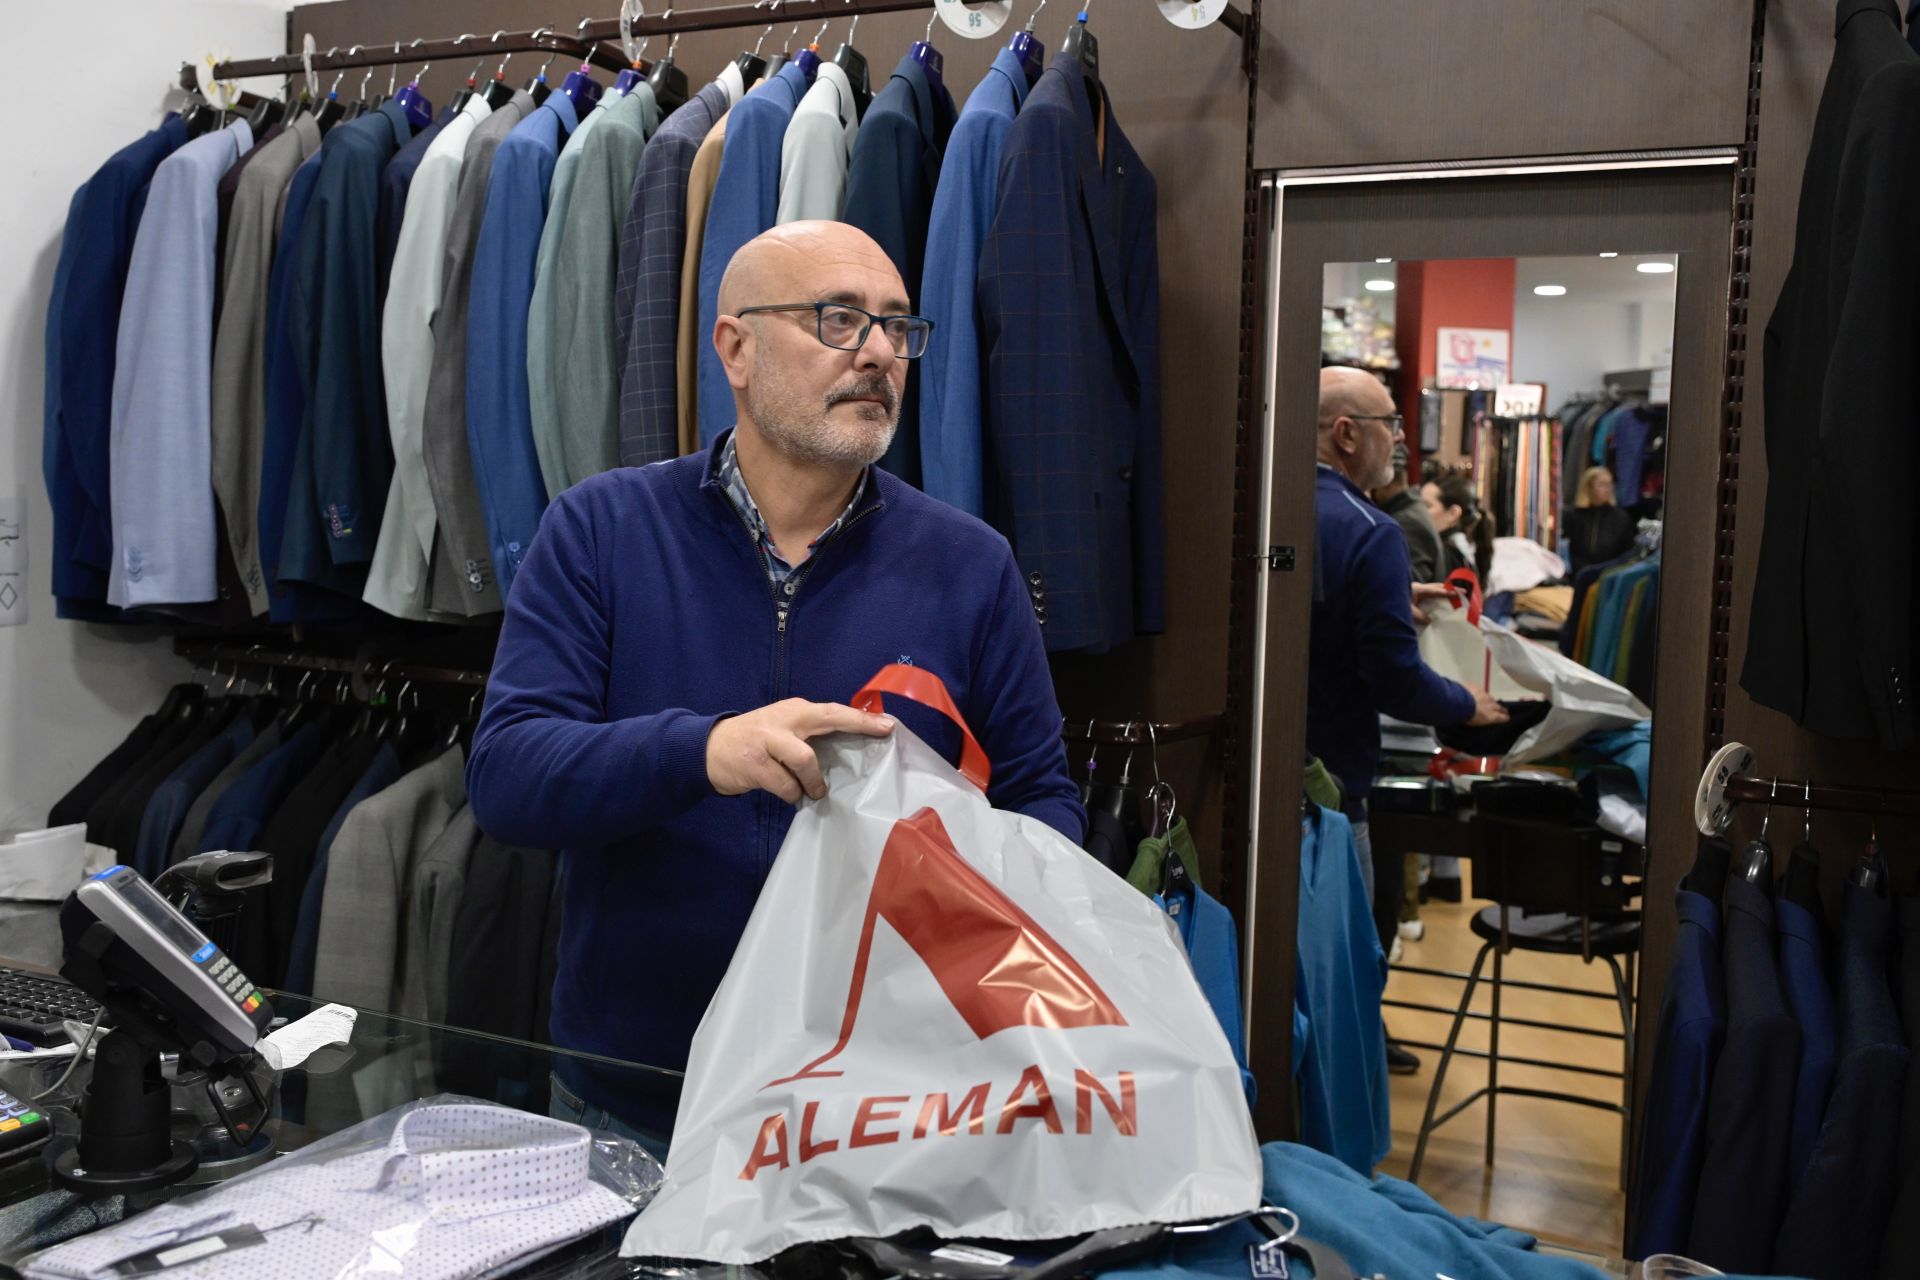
<point>1364,657</point>
<point>642,614</point>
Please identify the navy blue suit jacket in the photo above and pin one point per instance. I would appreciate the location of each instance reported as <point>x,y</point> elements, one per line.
<point>83,318</point>
<point>1069,294</point>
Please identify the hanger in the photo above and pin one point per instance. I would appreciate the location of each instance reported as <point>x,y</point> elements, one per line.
<point>538,86</point>
<point>1755,864</point>
<point>580,87</point>
<point>204,118</point>
<point>465,95</point>
<point>1093,764</point>
<point>412,101</point>
<point>1080,50</point>
<point>331,109</point>
<point>752,66</point>
<point>393,75</point>
<point>498,92</point>
<point>270,111</point>
<point>1710,862</point>
<point>463,727</point>
<point>923,52</point>
<point>1162,804</point>
<point>807,58</point>
<point>669,82</point>
<point>854,63</point>
<point>1027,47</point>
<point>359,106</point>
<point>785,55</point>
<point>636,69</point>
<point>1870,872</point>
<point>1801,884</point>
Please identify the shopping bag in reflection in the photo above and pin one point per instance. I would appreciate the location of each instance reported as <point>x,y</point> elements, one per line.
<point>948,1016</point>
<point>1453,643</point>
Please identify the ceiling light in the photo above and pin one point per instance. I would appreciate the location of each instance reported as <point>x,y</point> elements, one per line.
<point>1379,286</point>
<point>1609,255</point>
<point>1383,259</point>
<point>1655,268</point>
<point>1549,290</point>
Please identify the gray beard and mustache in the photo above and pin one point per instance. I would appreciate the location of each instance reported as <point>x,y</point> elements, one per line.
<point>813,438</point>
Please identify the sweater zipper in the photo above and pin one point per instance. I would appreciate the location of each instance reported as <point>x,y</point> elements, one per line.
<point>783,600</point>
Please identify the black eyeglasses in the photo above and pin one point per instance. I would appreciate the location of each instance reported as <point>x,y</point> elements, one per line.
<point>1396,422</point>
<point>845,327</point>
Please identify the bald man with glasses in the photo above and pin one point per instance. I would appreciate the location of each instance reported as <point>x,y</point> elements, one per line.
<point>1363,657</point>
<point>681,633</point>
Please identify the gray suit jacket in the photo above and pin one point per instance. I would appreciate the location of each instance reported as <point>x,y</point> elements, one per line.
<point>187,843</point>
<point>463,582</point>
<point>239,347</point>
<point>369,868</point>
<point>433,902</point>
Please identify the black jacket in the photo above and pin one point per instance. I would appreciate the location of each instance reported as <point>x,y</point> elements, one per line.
<point>1831,638</point>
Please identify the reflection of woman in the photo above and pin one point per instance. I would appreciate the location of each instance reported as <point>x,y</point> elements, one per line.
<point>1597,530</point>
<point>1466,532</point>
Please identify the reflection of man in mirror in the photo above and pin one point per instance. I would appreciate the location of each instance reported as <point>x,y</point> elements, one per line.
<point>1363,658</point>
<point>1399,500</point>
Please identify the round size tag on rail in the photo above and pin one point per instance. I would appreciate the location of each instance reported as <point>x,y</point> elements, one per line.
<point>975,19</point>
<point>1712,811</point>
<point>1192,14</point>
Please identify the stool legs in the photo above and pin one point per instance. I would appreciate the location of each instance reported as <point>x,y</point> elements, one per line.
<point>1622,989</point>
<point>1446,1057</point>
<point>1493,1050</point>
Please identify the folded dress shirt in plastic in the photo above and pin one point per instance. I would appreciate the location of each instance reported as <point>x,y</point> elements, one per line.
<point>449,1190</point>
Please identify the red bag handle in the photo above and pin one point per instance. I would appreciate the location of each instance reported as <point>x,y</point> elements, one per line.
<point>927,689</point>
<point>1467,583</point>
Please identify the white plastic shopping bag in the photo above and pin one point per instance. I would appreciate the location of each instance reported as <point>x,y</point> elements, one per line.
<point>1461,644</point>
<point>1453,644</point>
<point>1582,701</point>
<point>945,1015</point>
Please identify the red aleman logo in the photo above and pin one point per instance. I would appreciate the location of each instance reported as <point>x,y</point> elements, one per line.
<point>998,968</point>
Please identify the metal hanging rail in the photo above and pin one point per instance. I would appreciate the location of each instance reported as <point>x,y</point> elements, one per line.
<point>585,44</point>
<point>206,653</point>
<point>1141,733</point>
<point>1788,793</point>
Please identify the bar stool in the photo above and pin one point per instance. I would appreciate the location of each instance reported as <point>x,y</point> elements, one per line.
<point>1555,890</point>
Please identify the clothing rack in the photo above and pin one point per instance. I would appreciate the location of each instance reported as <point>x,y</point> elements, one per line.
<point>1140,733</point>
<point>1788,793</point>
<point>207,653</point>
<point>585,43</point>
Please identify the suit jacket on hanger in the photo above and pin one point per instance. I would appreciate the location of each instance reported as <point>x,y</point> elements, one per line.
<point>572,355</point>
<point>398,581</point>
<point>1073,411</point>
<point>746,199</point>
<point>1832,635</point>
<point>653,241</point>
<point>163,527</point>
<point>950,374</point>
<point>239,347</point>
<point>463,576</point>
<point>83,319</point>
<point>890,186</point>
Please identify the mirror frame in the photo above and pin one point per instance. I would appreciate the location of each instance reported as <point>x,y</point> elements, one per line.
<point>1541,206</point>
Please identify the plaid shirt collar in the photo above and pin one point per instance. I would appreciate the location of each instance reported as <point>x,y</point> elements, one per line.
<point>726,471</point>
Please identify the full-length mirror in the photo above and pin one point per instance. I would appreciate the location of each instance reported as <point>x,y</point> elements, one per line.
<point>1491,479</point>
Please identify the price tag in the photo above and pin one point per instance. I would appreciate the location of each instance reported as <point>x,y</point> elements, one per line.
<point>975,19</point>
<point>1192,14</point>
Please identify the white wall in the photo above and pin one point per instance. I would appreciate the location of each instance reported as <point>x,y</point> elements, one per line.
<point>1568,344</point>
<point>70,691</point>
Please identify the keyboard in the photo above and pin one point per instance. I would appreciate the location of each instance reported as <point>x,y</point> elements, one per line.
<point>33,1005</point>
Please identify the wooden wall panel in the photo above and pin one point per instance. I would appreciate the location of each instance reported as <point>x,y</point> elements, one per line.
<point>1799,48</point>
<point>1378,81</point>
<point>1182,99</point>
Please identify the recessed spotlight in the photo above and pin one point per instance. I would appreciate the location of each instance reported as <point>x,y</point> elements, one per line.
<point>1549,290</point>
<point>1383,259</point>
<point>1609,255</point>
<point>1655,268</point>
<point>1379,286</point>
